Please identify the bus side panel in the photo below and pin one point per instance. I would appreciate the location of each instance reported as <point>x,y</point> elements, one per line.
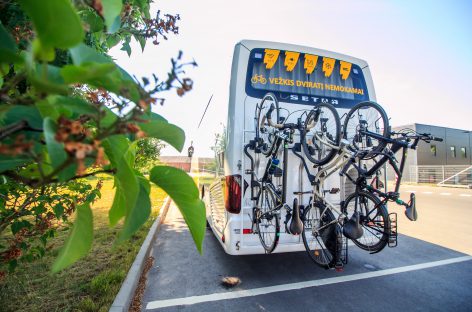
<point>236,111</point>
<point>219,219</point>
<point>370,84</point>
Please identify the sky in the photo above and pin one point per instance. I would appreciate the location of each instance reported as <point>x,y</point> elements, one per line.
<point>419,54</point>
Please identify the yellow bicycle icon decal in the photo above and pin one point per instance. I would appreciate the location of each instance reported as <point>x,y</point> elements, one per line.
<point>259,79</point>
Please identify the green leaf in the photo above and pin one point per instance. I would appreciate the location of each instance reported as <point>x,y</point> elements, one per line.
<point>144,7</point>
<point>56,22</point>
<point>9,162</point>
<point>48,87</point>
<point>88,72</point>
<point>83,54</point>
<point>182,189</point>
<point>47,109</point>
<point>21,112</point>
<point>141,40</point>
<point>111,13</point>
<point>92,19</point>
<point>8,48</point>
<point>58,210</point>
<point>162,130</point>
<point>138,215</point>
<point>113,40</point>
<point>116,81</point>
<point>117,149</point>
<point>72,106</point>
<point>42,52</point>
<point>118,208</point>
<point>79,241</point>
<point>56,150</point>
<point>53,73</point>
<point>126,47</point>
<point>47,78</point>
<point>18,225</point>
<point>104,76</point>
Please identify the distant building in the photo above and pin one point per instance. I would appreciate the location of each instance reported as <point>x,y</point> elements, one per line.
<point>185,163</point>
<point>436,161</point>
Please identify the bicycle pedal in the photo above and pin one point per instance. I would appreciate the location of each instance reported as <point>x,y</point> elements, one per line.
<point>302,192</point>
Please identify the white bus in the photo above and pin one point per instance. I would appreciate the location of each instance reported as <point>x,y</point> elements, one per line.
<point>300,77</point>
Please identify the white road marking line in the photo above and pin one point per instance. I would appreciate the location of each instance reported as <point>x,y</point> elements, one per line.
<point>445,194</point>
<point>465,195</point>
<point>427,192</point>
<point>294,286</point>
<point>411,191</point>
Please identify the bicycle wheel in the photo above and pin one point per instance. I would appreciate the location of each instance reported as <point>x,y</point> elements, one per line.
<point>373,219</point>
<point>267,221</point>
<point>265,133</point>
<point>369,117</point>
<point>322,240</point>
<point>320,136</point>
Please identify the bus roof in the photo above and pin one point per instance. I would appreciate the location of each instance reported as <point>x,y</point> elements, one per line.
<point>252,44</point>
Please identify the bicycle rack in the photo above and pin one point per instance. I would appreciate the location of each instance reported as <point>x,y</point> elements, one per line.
<point>393,234</point>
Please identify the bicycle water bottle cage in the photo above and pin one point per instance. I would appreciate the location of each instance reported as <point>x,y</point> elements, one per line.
<point>311,150</point>
<point>324,121</point>
<point>278,172</point>
<point>297,147</point>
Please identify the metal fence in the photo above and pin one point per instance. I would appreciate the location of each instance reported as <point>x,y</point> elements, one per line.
<point>442,175</point>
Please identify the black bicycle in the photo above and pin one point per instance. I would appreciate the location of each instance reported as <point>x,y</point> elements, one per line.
<point>368,201</point>
<point>271,136</point>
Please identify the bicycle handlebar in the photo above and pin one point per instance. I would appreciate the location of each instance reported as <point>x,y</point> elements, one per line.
<point>433,138</point>
<point>404,139</point>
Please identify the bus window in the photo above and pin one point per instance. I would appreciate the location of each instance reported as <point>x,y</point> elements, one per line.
<point>305,78</point>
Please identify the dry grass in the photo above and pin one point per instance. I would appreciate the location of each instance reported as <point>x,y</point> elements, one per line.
<point>92,283</point>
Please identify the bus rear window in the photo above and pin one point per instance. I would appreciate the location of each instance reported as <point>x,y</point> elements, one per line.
<point>305,78</point>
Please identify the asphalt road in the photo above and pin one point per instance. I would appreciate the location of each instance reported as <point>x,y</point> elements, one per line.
<point>430,270</point>
<point>444,216</point>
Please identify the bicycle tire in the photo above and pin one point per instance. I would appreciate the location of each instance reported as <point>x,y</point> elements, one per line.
<point>368,116</point>
<point>324,247</point>
<point>374,220</point>
<point>328,129</point>
<point>265,134</point>
<point>267,221</point>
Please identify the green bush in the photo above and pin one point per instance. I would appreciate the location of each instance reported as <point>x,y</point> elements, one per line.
<point>68,112</point>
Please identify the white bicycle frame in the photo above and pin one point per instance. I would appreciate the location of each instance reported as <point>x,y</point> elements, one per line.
<point>340,160</point>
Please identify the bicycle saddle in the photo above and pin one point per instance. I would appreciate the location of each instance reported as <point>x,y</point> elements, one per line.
<point>352,228</point>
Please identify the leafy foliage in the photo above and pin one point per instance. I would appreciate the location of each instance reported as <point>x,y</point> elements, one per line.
<point>67,112</point>
<point>147,153</point>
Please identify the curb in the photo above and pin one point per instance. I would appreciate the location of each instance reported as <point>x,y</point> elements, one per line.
<point>125,296</point>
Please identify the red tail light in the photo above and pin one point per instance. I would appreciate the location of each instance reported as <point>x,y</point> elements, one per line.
<point>233,193</point>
